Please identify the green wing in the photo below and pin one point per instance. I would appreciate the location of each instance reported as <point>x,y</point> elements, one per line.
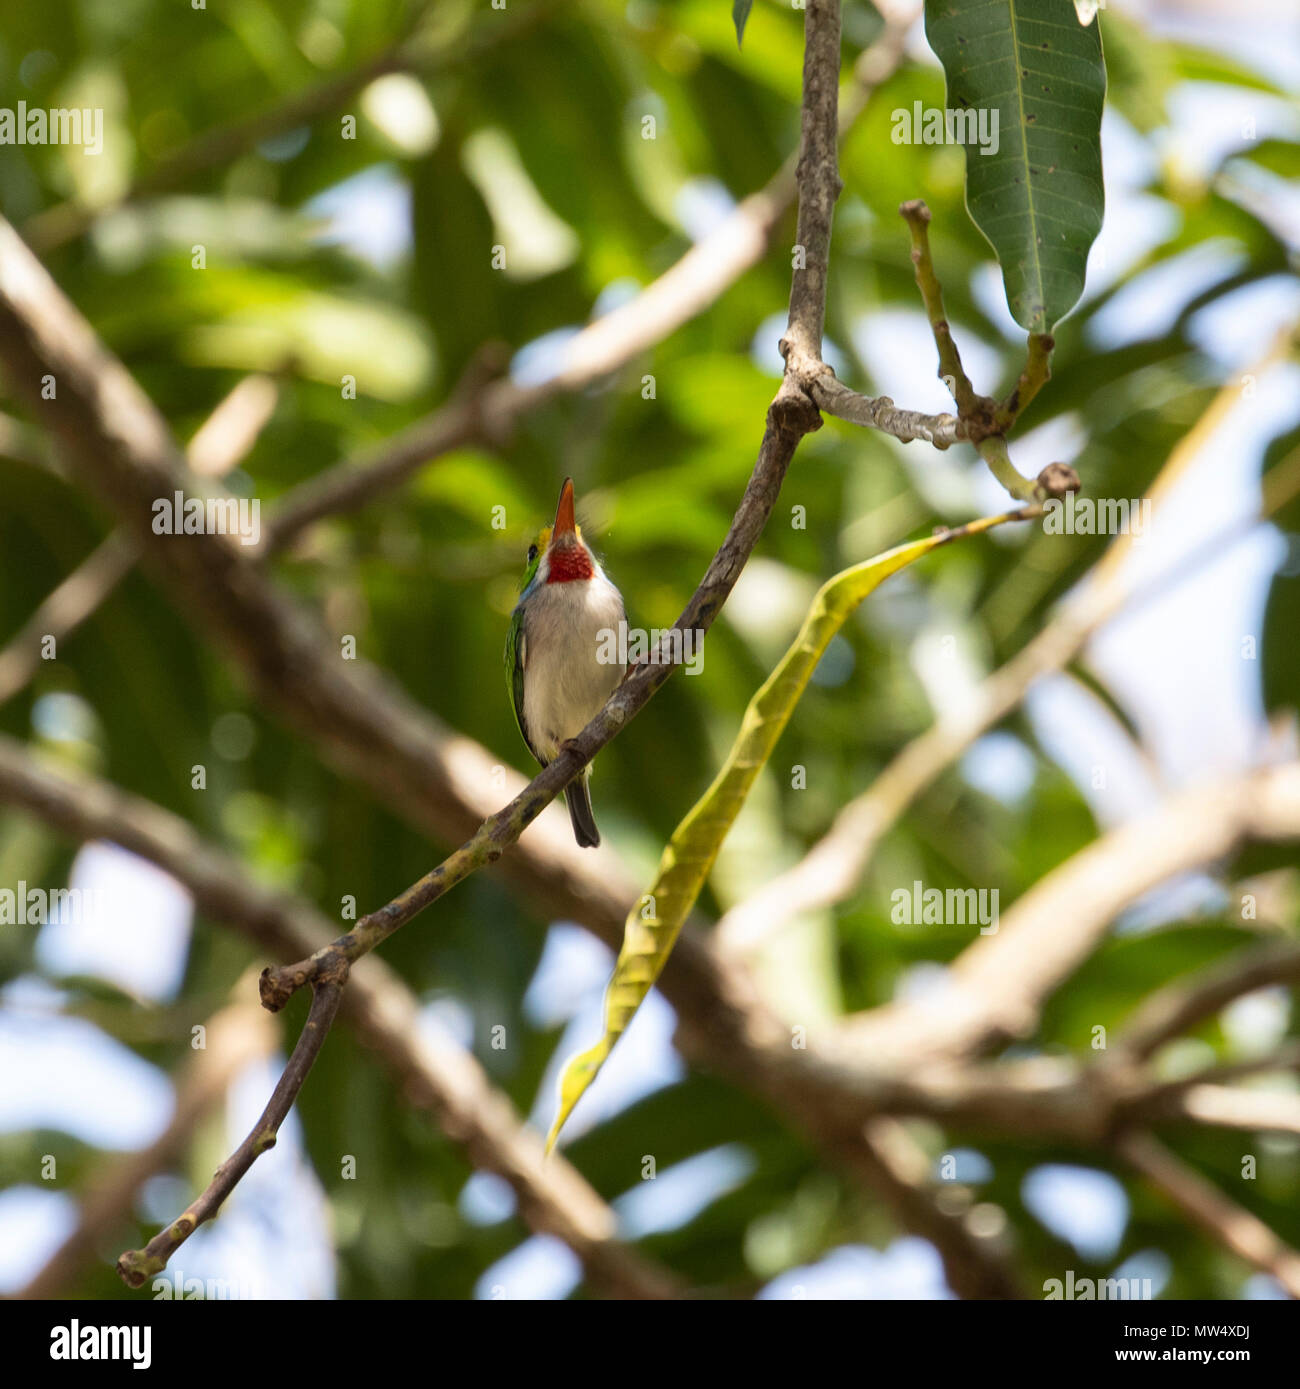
<point>517,650</point>
<point>516,656</point>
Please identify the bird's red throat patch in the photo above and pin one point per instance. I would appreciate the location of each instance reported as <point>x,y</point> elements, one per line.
<point>568,563</point>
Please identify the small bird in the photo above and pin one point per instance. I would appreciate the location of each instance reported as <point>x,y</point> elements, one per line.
<point>558,648</point>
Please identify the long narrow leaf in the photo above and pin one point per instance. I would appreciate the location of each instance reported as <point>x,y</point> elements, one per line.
<point>1034,187</point>
<point>653,924</point>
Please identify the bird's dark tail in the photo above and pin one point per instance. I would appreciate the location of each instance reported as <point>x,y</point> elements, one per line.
<point>578,798</point>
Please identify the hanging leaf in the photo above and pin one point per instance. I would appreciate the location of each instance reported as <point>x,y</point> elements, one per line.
<point>653,924</point>
<point>1027,84</point>
<point>740,13</point>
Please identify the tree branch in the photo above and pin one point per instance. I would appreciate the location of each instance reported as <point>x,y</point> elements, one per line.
<point>443,1080</point>
<point>818,177</point>
<point>220,444</point>
<point>1036,374</point>
<point>970,404</point>
<point>880,412</point>
<point>239,1033</point>
<point>834,1103</point>
<point>1180,1006</point>
<point>1244,1234</point>
<point>135,1265</point>
<point>121,446</point>
<point>995,988</point>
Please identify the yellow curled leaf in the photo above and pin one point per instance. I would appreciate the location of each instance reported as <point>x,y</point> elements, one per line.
<point>655,921</point>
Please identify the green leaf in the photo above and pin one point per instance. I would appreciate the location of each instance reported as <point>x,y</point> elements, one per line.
<point>1038,198</point>
<point>656,920</point>
<point>740,13</point>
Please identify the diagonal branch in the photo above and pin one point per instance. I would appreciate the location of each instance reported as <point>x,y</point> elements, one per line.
<point>116,438</point>
<point>220,443</point>
<point>117,441</point>
<point>236,1035</point>
<point>1232,1225</point>
<point>995,989</point>
<point>440,782</point>
<point>138,1264</point>
<point>442,1079</point>
<point>79,595</point>
<point>1180,1006</point>
<point>837,1105</point>
<point>790,416</point>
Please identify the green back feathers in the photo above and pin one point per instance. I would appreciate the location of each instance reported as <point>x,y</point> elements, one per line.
<point>515,643</point>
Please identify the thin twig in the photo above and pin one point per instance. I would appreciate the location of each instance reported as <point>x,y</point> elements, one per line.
<point>993,450</point>
<point>880,412</point>
<point>1036,374</point>
<point>983,421</point>
<point>37,324</point>
<point>442,783</point>
<point>1048,1097</point>
<point>239,1033</point>
<point>135,1265</point>
<point>970,404</point>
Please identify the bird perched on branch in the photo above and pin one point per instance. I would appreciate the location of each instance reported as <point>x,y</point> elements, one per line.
<point>558,636</point>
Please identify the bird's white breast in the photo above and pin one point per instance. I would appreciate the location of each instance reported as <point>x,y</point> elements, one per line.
<point>565,682</point>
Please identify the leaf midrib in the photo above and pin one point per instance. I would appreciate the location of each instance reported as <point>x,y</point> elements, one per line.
<point>1040,289</point>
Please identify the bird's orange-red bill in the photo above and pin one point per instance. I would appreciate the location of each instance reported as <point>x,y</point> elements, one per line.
<point>564,521</point>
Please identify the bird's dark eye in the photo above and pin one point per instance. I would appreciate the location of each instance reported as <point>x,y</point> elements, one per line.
<point>532,553</point>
